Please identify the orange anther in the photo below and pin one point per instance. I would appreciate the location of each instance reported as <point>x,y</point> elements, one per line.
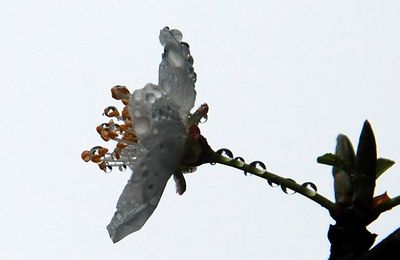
<point>112,134</point>
<point>125,113</point>
<point>120,92</point>
<point>121,145</point>
<point>99,129</point>
<point>102,151</point>
<point>111,111</point>
<point>85,155</point>
<point>130,137</point>
<point>96,158</point>
<point>102,165</point>
<point>128,123</point>
<point>116,153</point>
<point>104,135</point>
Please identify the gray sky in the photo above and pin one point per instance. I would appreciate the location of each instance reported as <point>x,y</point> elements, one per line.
<point>282,79</point>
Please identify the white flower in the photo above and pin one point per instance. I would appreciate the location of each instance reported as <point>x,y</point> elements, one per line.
<point>151,133</point>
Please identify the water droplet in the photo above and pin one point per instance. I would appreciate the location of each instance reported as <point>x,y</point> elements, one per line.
<point>162,65</point>
<point>185,44</point>
<point>110,111</point>
<point>94,150</point>
<point>166,86</point>
<point>157,93</point>
<point>286,189</point>
<point>150,98</point>
<point>122,168</point>
<point>204,119</point>
<point>141,125</point>
<point>177,34</point>
<point>137,113</point>
<point>239,161</point>
<point>108,169</point>
<point>260,164</point>
<point>137,95</point>
<point>225,152</point>
<point>118,216</point>
<point>311,188</point>
<point>115,127</point>
<point>257,164</point>
<point>193,77</point>
<point>272,184</point>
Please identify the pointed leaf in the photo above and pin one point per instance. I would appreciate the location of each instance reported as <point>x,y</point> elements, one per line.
<point>332,160</point>
<point>382,164</point>
<point>341,175</point>
<point>365,174</point>
<point>345,150</point>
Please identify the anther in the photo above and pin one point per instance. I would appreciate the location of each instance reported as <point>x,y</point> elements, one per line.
<point>111,111</point>
<point>85,155</point>
<point>120,93</point>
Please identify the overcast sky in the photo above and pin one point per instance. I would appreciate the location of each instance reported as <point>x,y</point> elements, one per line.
<point>282,79</point>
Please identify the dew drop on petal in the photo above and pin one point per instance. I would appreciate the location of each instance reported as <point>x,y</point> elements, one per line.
<point>162,65</point>
<point>157,93</point>
<point>150,97</point>
<point>193,77</point>
<point>137,95</point>
<point>141,125</point>
<point>118,216</point>
<point>177,34</point>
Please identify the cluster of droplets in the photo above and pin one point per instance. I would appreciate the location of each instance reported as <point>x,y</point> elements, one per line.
<point>240,162</point>
<point>119,129</point>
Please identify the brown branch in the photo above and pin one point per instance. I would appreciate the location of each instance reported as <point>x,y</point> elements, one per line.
<point>389,248</point>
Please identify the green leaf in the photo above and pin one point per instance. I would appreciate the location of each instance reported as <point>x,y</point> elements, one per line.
<point>363,181</point>
<point>332,160</point>
<point>382,164</point>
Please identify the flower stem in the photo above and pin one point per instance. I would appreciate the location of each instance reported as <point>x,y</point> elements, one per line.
<point>285,183</point>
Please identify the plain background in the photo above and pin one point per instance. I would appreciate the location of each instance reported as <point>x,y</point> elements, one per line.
<point>282,79</point>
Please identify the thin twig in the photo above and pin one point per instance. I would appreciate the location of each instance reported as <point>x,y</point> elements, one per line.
<point>276,179</point>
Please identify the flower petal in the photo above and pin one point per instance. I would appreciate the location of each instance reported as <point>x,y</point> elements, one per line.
<point>176,73</point>
<point>150,174</point>
<point>158,114</point>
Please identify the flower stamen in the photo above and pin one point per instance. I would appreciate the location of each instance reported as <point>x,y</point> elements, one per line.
<point>122,133</point>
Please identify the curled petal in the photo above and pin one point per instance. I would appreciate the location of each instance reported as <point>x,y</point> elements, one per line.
<point>141,195</point>
<point>176,75</point>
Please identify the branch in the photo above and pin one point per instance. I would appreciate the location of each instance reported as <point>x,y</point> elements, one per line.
<point>285,183</point>
<point>389,248</point>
